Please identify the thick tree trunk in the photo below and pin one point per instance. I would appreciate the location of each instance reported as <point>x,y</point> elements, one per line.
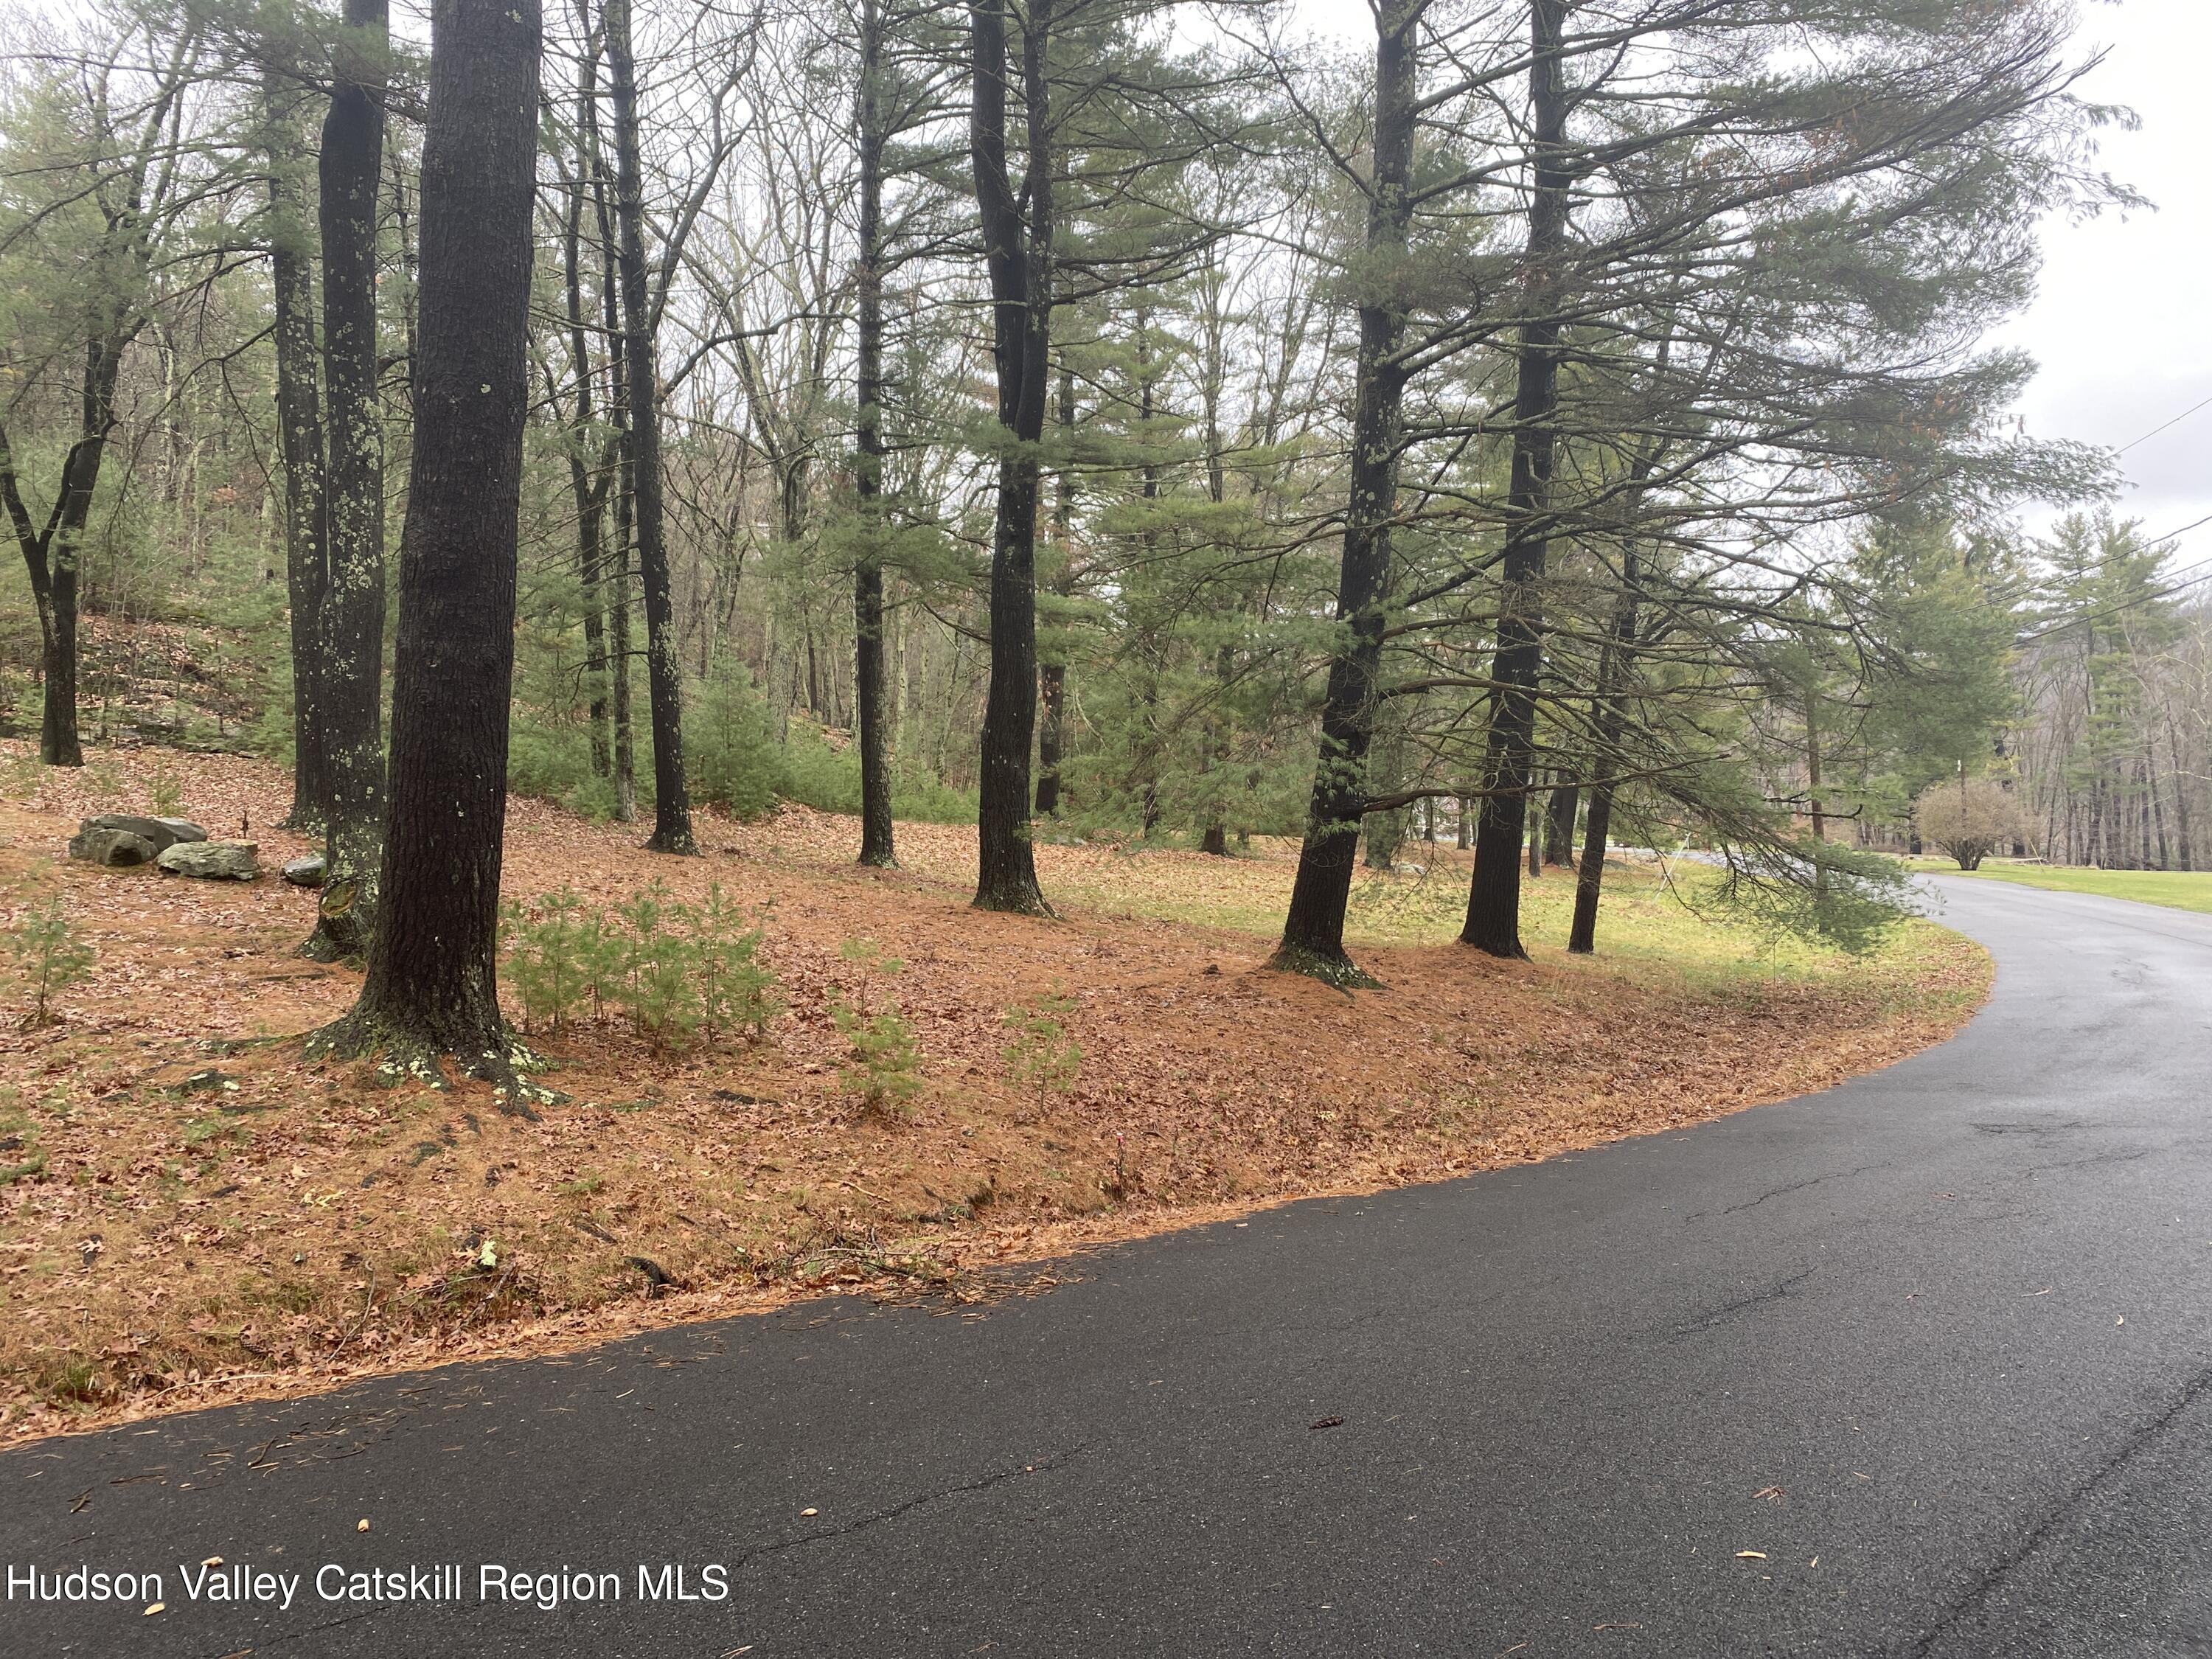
<point>1018,254</point>
<point>350,676</point>
<point>432,988</point>
<point>672,803</point>
<point>1494,900</point>
<point>300,436</point>
<point>1313,929</point>
<point>876,831</point>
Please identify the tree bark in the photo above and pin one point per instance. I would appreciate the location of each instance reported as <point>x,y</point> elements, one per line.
<point>1018,252</point>
<point>1494,900</point>
<point>615,467</point>
<point>300,433</point>
<point>876,831</point>
<point>1612,713</point>
<point>350,675</point>
<point>589,485</point>
<point>432,989</point>
<point>1313,929</point>
<point>1052,677</point>
<point>672,803</point>
<point>1559,825</point>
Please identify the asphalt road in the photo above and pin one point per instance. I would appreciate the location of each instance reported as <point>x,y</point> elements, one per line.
<point>1935,1344</point>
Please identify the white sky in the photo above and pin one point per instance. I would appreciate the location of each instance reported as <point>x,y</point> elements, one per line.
<point>2123,324</point>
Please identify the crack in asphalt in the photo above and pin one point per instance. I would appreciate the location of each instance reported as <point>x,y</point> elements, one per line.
<point>1781,1291</point>
<point>1998,1570</point>
<point>1782,1192</point>
<point>1057,1460</point>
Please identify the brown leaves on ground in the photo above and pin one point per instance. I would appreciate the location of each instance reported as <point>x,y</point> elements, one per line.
<point>198,1215</point>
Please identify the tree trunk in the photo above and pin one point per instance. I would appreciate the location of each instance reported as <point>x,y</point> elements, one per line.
<point>588,485</point>
<point>1611,720</point>
<point>1018,254</point>
<point>52,554</point>
<point>350,677</point>
<point>1494,900</point>
<point>671,803</point>
<point>876,832</point>
<point>615,467</point>
<point>1053,676</point>
<point>432,988</point>
<point>1312,930</point>
<point>300,434</point>
<point>1560,827</point>
<point>2181,799</point>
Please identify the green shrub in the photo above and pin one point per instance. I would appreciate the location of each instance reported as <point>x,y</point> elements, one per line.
<point>817,772</point>
<point>731,758</point>
<point>554,762</point>
<point>921,796</point>
<point>674,969</point>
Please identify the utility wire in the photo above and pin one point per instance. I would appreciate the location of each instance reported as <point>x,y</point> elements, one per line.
<point>2155,430</point>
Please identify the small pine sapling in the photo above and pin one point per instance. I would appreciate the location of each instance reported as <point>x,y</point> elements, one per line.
<point>736,987</point>
<point>1043,1060</point>
<point>546,959</point>
<point>884,1065</point>
<point>50,955</point>
<point>167,795</point>
<point>657,989</point>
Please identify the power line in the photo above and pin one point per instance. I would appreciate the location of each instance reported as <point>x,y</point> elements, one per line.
<point>2155,430</point>
<point>2155,594</point>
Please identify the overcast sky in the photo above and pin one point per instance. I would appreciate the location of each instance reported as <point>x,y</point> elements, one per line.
<point>2123,324</point>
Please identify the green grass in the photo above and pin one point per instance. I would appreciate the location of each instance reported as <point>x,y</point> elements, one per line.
<point>2177,889</point>
<point>1655,928</point>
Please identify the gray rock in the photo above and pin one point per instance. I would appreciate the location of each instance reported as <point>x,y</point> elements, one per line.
<point>212,860</point>
<point>117,848</point>
<point>306,871</point>
<point>164,833</point>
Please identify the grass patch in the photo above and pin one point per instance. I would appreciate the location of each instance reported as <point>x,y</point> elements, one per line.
<point>2177,889</point>
<point>1658,926</point>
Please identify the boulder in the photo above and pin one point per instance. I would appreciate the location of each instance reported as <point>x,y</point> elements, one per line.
<point>306,872</point>
<point>212,860</point>
<point>116,849</point>
<point>164,833</point>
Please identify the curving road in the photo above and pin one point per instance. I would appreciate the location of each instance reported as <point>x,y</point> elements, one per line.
<point>1936,1346</point>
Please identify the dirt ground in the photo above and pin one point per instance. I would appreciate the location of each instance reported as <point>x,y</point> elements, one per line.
<point>189,1213</point>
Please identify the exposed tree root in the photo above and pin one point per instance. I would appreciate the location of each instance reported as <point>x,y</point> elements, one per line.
<point>1340,971</point>
<point>403,1055</point>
